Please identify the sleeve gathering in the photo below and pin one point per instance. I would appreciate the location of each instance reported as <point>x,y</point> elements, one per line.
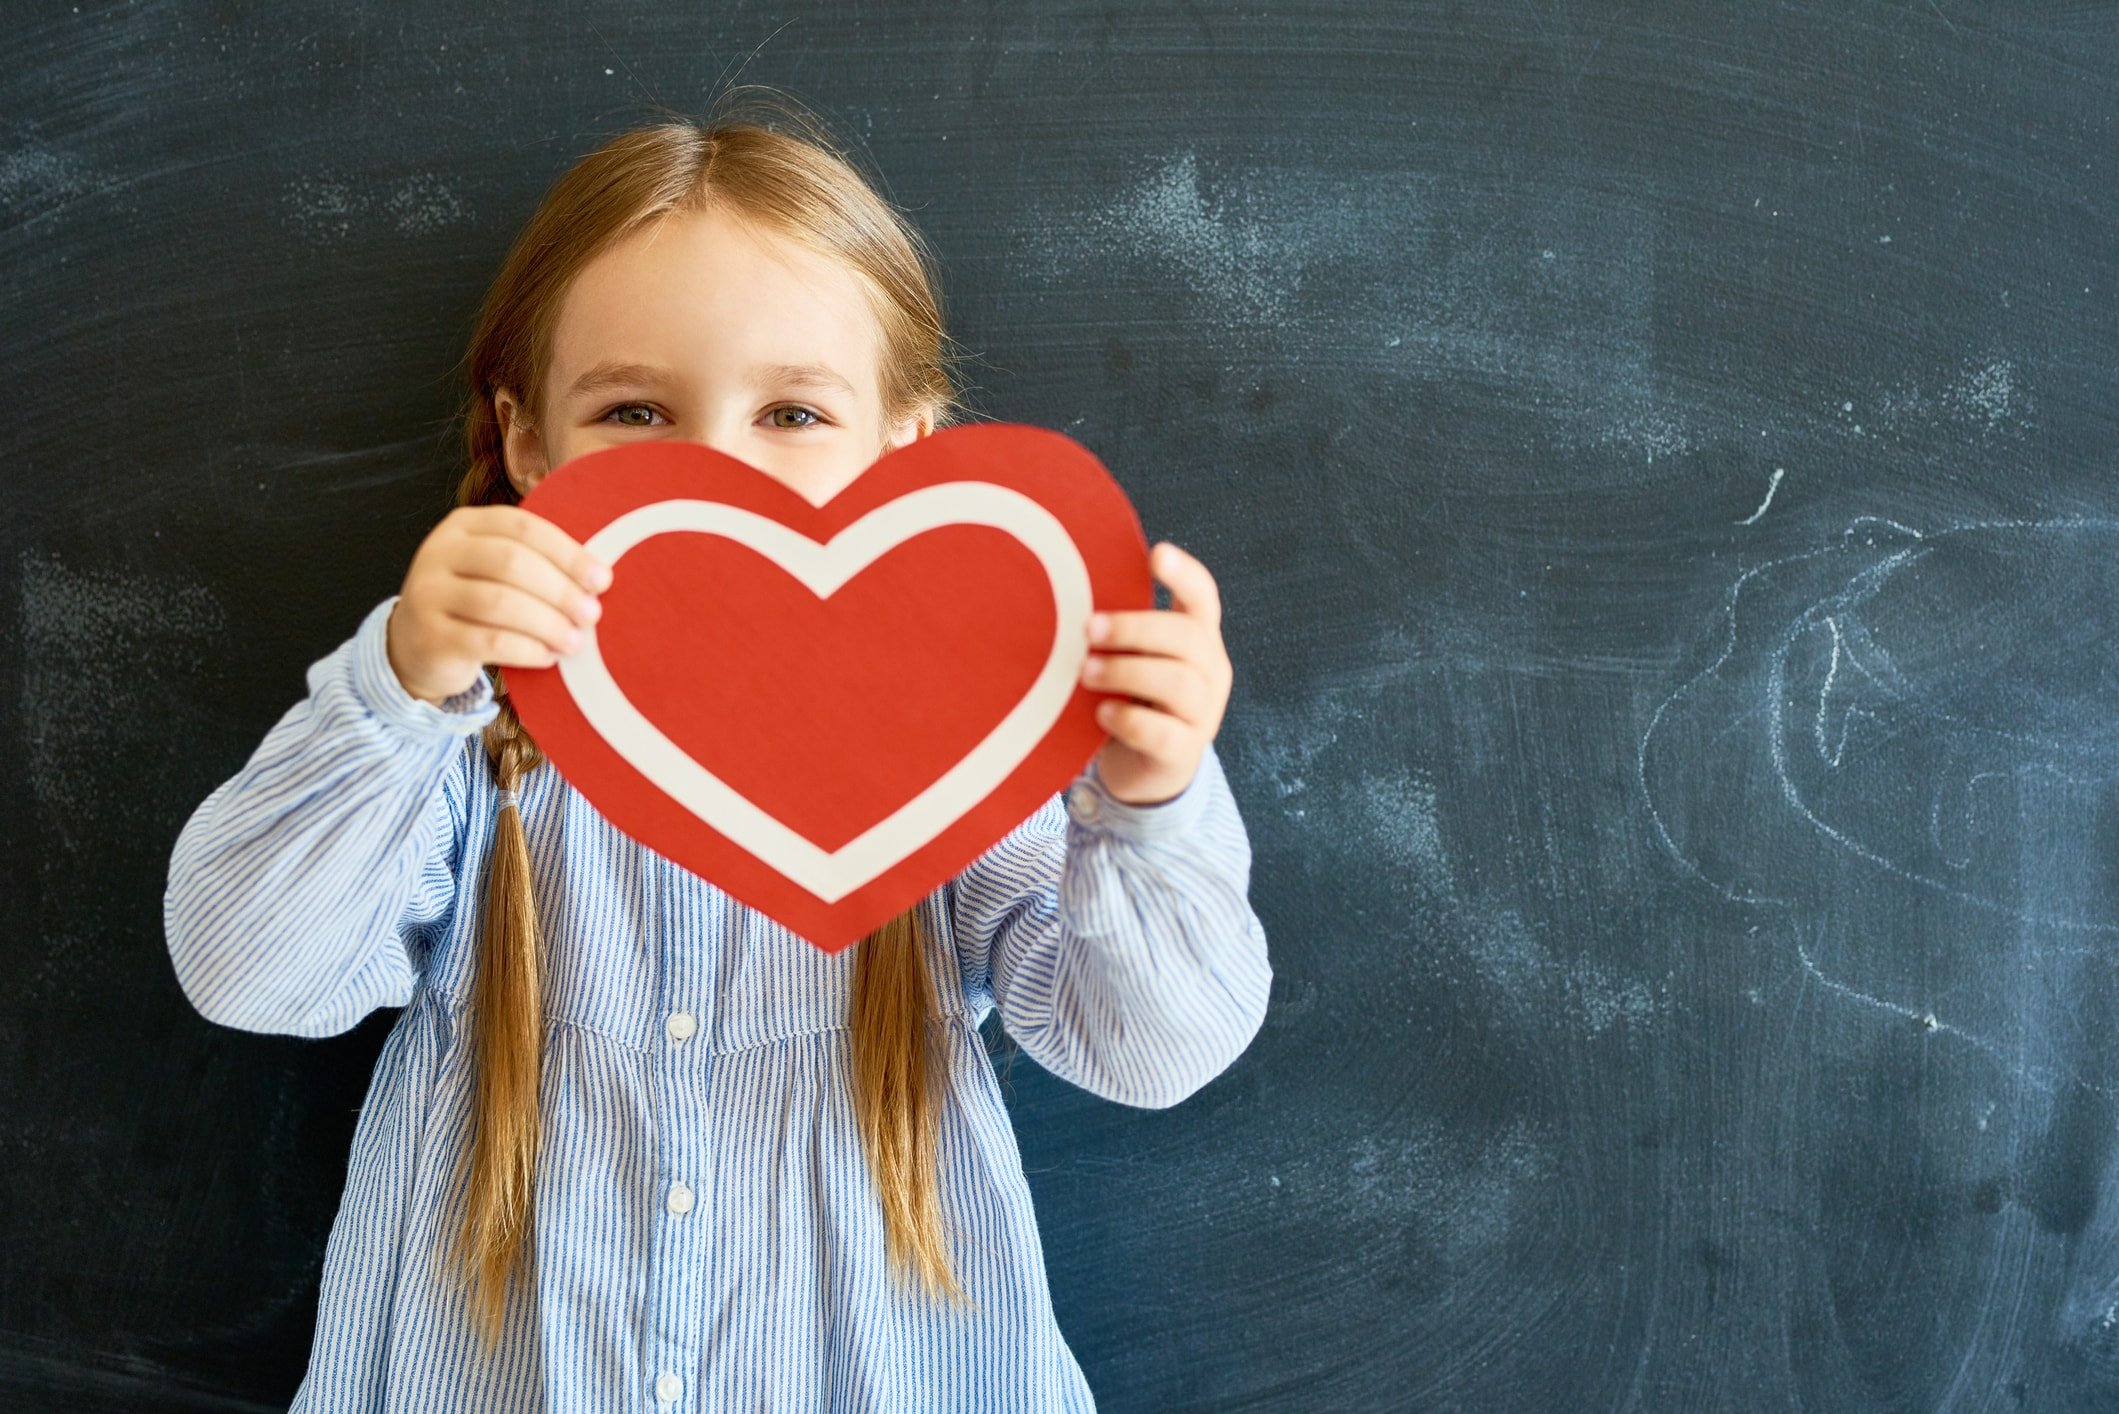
<point>1117,941</point>
<point>301,891</point>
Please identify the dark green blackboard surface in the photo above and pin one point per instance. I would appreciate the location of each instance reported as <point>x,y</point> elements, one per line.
<point>1662,468</point>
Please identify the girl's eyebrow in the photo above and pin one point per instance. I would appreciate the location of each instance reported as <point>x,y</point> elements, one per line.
<point>613,374</point>
<point>800,375</point>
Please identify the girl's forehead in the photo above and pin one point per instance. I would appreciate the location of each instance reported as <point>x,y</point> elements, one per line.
<point>707,288</point>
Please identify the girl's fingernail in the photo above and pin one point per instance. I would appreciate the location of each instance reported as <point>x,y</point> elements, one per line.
<point>1098,627</point>
<point>572,640</point>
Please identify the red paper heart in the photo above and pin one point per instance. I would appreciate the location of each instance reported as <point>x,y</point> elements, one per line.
<point>827,711</point>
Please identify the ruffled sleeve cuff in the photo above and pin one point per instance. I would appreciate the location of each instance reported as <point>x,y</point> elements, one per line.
<point>376,683</point>
<point>1091,807</point>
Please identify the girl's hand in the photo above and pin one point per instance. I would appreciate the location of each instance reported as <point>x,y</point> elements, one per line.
<point>1175,675</point>
<point>490,584</point>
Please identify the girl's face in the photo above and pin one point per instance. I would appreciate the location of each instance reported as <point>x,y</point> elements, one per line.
<point>704,326</point>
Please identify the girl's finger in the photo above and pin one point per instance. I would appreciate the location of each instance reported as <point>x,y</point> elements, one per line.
<point>505,647</point>
<point>1146,730</point>
<point>562,549</point>
<point>1159,631</point>
<point>1171,684</point>
<point>506,560</point>
<point>488,603</point>
<point>1192,589</point>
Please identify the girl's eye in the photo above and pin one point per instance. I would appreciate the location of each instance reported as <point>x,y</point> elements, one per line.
<point>814,419</point>
<point>631,407</point>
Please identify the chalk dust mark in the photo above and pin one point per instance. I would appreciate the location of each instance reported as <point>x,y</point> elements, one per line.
<point>1536,984</point>
<point>95,642</point>
<point>1399,810</point>
<point>1464,1195</point>
<point>424,203</point>
<point>1983,395</point>
<point>1651,432</point>
<point>1247,264</point>
<point>327,209</point>
<point>1771,487</point>
<point>1832,753</point>
<point>37,179</point>
<point>2041,1078</point>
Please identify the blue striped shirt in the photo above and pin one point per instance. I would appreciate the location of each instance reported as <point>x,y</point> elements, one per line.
<point>708,1237</point>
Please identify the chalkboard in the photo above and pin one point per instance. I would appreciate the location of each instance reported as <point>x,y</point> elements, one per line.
<point>1659,462</point>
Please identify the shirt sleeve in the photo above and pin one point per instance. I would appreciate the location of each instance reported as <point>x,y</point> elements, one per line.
<point>1117,941</point>
<point>301,891</point>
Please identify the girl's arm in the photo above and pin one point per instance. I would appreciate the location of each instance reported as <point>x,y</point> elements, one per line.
<point>302,891</point>
<point>1142,973</point>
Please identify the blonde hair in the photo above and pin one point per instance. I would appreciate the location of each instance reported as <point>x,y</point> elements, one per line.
<point>803,187</point>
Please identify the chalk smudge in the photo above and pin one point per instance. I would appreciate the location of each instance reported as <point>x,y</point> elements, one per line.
<point>1464,1194</point>
<point>1243,262</point>
<point>1985,395</point>
<point>93,641</point>
<point>37,179</point>
<point>1396,815</point>
<point>327,209</point>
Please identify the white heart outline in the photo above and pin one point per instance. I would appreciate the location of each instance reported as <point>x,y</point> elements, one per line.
<point>823,568</point>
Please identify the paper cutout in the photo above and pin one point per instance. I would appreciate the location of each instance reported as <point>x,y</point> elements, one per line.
<point>827,711</point>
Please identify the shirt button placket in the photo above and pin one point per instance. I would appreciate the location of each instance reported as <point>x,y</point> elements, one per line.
<point>681,1066</point>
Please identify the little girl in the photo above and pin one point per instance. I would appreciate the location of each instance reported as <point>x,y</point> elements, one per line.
<point>631,1144</point>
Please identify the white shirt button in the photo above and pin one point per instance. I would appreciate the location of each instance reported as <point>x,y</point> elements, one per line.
<point>680,1199</point>
<point>1081,798</point>
<point>668,1387</point>
<point>680,1025</point>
